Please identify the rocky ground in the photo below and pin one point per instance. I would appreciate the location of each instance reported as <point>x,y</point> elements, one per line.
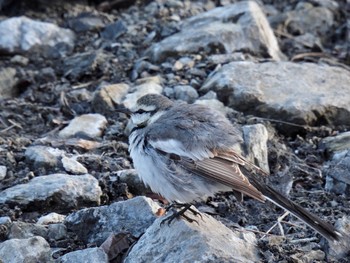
<point>278,69</point>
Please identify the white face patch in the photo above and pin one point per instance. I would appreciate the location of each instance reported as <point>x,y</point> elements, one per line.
<point>140,118</point>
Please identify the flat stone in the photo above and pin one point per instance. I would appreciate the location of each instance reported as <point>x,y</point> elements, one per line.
<point>213,30</point>
<point>207,241</point>
<point>23,35</point>
<point>56,191</point>
<point>134,216</point>
<point>298,93</point>
<point>88,125</point>
<point>34,249</point>
<point>73,166</point>
<point>91,255</point>
<point>51,218</point>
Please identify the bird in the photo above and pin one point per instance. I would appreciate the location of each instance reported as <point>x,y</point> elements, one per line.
<point>186,153</point>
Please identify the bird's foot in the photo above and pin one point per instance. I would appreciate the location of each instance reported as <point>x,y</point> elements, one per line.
<point>180,213</point>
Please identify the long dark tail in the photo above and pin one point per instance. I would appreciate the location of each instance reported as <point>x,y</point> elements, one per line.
<point>325,229</point>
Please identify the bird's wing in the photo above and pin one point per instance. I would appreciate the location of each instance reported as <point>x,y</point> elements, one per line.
<point>225,170</point>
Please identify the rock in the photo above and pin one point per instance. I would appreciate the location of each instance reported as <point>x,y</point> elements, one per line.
<point>43,156</point>
<point>56,191</point>
<point>185,93</point>
<point>338,143</point>
<point>283,91</point>
<point>34,249</point>
<point>337,173</point>
<point>5,226</point>
<point>88,125</point>
<point>308,19</point>
<point>20,60</point>
<point>142,66</point>
<point>134,182</point>
<point>226,58</point>
<point>3,171</point>
<point>207,241</point>
<point>255,140</point>
<point>56,232</point>
<point>134,216</point>
<point>310,256</point>
<point>85,64</point>
<point>85,22</point>
<point>340,250</point>
<point>213,30</point>
<point>214,104</point>
<point>114,30</point>
<point>91,255</point>
<point>24,35</point>
<point>22,230</point>
<point>73,166</point>
<point>107,97</point>
<point>146,86</point>
<point>8,83</point>
<point>51,218</point>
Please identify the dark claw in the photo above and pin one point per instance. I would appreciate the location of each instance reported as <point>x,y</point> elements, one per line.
<point>177,214</point>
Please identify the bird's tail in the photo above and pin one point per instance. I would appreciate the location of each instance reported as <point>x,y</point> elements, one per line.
<point>322,227</point>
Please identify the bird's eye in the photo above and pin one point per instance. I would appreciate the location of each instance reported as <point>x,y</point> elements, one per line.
<point>140,111</point>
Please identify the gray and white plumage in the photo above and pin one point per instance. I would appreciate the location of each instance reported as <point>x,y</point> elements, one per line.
<point>186,152</point>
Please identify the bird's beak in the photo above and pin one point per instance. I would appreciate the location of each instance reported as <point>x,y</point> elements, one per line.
<point>124,110</point>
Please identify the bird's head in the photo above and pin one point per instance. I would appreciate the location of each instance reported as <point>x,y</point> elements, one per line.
<point>148,109</point>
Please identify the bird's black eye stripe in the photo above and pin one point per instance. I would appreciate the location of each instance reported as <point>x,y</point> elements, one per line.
<point>140,111</point>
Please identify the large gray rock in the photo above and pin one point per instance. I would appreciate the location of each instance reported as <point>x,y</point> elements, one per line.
<point>56,191</point>
<point>34,249</point>
<point>91,255</point>
<point>207,241</point>
<point>236,27</point>
<point>134,216</point>
<point>298,93</point>
<point>22,35</point>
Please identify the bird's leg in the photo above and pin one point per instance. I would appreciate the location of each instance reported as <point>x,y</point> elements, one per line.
<point>177,214</point>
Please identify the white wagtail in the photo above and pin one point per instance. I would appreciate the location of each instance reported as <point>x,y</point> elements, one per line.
<point>185,152</point>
